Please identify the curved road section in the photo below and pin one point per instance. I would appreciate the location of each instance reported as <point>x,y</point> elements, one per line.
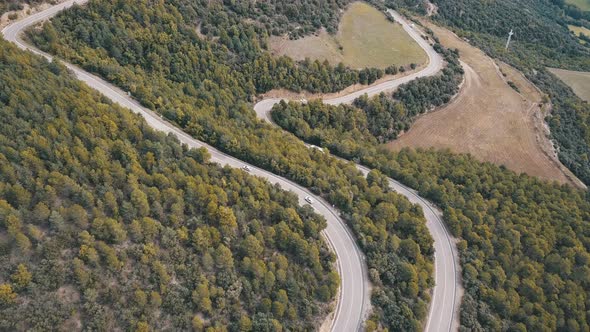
<point>447,292</point>
<point>354,297</point>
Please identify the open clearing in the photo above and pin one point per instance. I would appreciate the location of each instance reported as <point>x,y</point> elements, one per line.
<point>489,119</point>
<point>579,81</point>
<point>365,38</point>
<point>582,4</point>
<point>579,30</point>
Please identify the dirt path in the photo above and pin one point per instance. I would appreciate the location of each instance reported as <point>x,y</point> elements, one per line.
<point>489,119</point>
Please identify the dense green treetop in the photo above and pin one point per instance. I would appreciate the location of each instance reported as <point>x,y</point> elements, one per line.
<point>532,276</point>
<point>296,18</point>
<point>382,117</point>
<point>205,85</point>
<point>106,223</point>
<point>525,243</point>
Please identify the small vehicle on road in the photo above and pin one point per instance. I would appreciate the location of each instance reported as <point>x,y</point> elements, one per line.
<point>315,147</point>
<point>308,199</point>
<point>247,168</point>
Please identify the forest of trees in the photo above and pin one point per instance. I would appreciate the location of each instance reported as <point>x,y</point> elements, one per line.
<point>296,18</point>
<point>108,224</point>
<point>383,116</point>
<point>163,43</point>
<point>525,243</point>
<point>205,85</point>
<point>525,248</point>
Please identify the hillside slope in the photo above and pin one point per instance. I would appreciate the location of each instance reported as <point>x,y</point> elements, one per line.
<point>107,224</point>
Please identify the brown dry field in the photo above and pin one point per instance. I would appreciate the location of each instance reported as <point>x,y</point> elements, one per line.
<point>490,120</point>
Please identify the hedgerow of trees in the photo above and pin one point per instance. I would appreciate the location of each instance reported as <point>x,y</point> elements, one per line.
<point>388,115</point>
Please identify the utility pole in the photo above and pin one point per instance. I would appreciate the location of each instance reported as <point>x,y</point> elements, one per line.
<point>509,37</point>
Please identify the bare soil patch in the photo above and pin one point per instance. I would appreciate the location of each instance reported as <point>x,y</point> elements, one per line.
<point>365,38</point>
<point>489,119</point>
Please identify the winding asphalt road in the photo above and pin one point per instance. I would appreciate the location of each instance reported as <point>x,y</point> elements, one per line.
<point>354,297</point>
<point>447,292</point>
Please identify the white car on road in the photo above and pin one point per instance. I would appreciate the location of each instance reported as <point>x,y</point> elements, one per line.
<point>315,147</point>
<point>247,168</point>
<point>308,199</point>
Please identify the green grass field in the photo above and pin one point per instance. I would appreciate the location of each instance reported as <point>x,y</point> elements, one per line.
<point>582,4</point>
<point>579,81</point>
<point>365,38</point>
<point>579,30</point>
